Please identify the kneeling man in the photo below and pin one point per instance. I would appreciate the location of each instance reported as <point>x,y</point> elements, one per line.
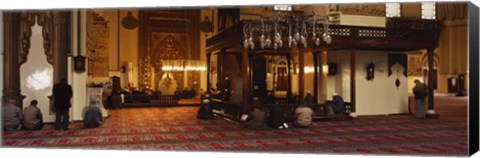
<point>93,116</point>
<point>33,117</point>
<point>303,115</point>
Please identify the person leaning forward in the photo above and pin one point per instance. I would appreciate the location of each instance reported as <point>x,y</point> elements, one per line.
<point>62,92</point>
<point>33,117</point>
<point>205,112</point>
<point>303,116</point>
<point>11,116</point>
<point>93,115</point>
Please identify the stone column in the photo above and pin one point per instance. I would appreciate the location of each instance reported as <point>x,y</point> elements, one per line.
<point>301,75</point>
<point>60,45</point>
<point>352,83</point>
<point>221,75</point>
<point>289,73</point>
<point>431,108</point>
<point>246,79</point>
<point>11,74</point>
<point>209,84</point>
<point>315,76</point>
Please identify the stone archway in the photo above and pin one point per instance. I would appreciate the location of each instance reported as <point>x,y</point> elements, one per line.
<point>17,33</point>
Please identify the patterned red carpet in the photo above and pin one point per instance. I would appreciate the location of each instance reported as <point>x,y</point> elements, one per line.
<point>176,128</point>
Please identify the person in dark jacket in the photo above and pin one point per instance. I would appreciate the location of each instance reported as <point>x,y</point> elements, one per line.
<point>270,98</point>
<point>420,91</point>
<point>205,111</point>
<point>276,119</point>
<point>309,99</point>
<point>337,104</point>
<point>192,93</point>
<point>62,92</point>
<point>177,94</point>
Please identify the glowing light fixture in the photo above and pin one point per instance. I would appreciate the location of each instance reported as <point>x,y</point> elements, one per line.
<point>282,7</point>
<point>40,79</point>
<point>428,10</point>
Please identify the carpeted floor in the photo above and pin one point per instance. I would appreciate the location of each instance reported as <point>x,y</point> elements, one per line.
<point>176,128</point>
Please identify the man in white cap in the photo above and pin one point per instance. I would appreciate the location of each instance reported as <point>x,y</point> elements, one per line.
<point>12,116</point>
<point>205,111</point>
<point>337,104</point>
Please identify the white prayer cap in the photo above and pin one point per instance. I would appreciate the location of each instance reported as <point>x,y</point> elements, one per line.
<point>334,93</point>
<point>309,92</point>
<point>205,101</point>
<point>207,95</point>
<point>255,98</point>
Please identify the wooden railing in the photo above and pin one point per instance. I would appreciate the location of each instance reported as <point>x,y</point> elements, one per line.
<point>399,34</point>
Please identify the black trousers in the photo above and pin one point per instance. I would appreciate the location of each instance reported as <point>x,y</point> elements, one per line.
<point>62,118</point>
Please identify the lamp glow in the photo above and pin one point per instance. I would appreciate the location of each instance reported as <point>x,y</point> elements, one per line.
<point>39,80</point>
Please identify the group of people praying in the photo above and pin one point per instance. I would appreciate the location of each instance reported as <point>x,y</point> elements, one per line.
<point>258,117</point>
<point>32,118</point>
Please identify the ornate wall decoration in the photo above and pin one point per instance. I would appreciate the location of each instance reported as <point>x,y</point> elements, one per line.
<point>206,25</point>
<point>397,64</point>
<point>361,9</point>
<point>27,20</point>
<point>228,17</point>
<point>370,69</point>
<point>79,63</point>
<point>168,49</point>
<point>97,45</point>
<point>129,22</point>
<point>415,64</point>
<point>400,59</point>
<point>167,34</point>
<point>45,20</point>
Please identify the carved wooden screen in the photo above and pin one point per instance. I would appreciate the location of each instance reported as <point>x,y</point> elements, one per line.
<point>360,9</point>
<point>175,30</point>
<point>227,18</point>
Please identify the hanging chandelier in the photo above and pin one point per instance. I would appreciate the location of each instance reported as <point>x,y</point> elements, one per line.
<point>298,27</point>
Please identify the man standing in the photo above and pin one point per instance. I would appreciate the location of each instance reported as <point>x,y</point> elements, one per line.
<point>62,92</point>
<point>33,117</point>
<point>420,91</point>
<point>11,116</point>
